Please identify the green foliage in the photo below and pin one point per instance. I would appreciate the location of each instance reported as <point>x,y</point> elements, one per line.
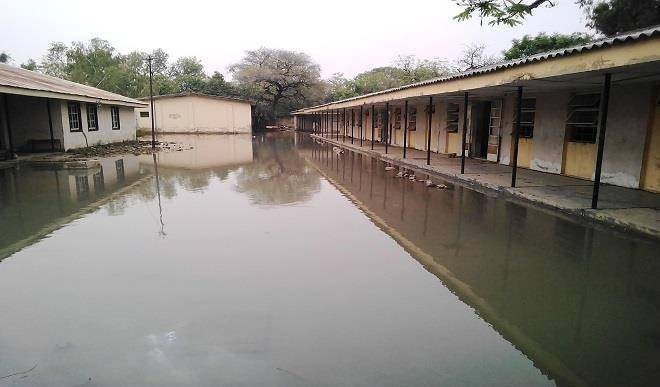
<point>188,74</point>
<point>5,57</point>
<point>278,80</point>
<point>406,70</point>
<point>531,45</point>
<point>507,12</point>
<point>612,17</point>
<point>30,65</point>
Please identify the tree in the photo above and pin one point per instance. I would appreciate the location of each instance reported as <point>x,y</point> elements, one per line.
<point>279,80</point>
<point>217,85</point>
<point>508,12</point>
<point>414,70</point>
<point>55,61</point>
<point>188,74</point>
<point>612,17</point>
<point>474,56</point>
<point>531,45</point>
<point>30,64</point>
<point>5,57</point>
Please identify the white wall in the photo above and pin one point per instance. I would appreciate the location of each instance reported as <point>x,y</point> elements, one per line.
<point>105,134</point>
<point>197,114</point>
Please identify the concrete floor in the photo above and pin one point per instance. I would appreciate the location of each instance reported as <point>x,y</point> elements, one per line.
<point>631,209</point>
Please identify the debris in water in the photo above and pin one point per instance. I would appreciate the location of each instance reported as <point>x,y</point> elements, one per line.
<point>389,168</point>
<point>429,183</point>
<point>337,150</point>
<point>441,186</point>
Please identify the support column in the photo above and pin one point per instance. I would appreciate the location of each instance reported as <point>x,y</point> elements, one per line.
<point>343,139</point>
<point>50,126</point>
<point>361,123</point>
<point>430,110</point>
<point>10,137</point>
<point>602,126</point>
<point>352,124</point>
<point>327,127</point>
<point>465,117</point>
<point>386,120</point>
<point>516,136</point>
<point>405,128</point>
<point>373,124</point>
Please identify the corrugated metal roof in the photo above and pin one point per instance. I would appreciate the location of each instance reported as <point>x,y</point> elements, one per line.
<point>196,94</point>
<point>16,77</point>
<point>627,37</point>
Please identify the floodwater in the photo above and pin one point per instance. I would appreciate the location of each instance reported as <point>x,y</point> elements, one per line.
<point>274,261</point>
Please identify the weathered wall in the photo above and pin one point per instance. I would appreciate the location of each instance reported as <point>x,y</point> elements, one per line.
<point>28,117</point>
<point>196,114</point>
<point>105,134</point>
<point>549,131</point>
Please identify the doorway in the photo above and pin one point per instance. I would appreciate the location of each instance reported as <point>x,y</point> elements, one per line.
<point>651,170</point>
<point>481,121</point>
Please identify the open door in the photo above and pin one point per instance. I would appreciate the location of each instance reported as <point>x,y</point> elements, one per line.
<point>494,131</point>
<point>651,171</point>
<point>481,128</point>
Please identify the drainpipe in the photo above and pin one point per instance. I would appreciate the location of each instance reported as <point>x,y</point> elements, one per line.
<point>516,136</point>
<point>352,124</point>
<point>602,126</point>
<point>343,139</point>
<point>386,120</point>
<point>465,116</point>
<point>361,123</point>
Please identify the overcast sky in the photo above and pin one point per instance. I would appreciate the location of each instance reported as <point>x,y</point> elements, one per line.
<point>342,36</point>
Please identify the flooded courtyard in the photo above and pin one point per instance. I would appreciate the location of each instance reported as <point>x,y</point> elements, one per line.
<point>274,260</point>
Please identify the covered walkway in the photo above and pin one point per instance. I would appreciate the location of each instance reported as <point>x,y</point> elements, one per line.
<point>632,209</point>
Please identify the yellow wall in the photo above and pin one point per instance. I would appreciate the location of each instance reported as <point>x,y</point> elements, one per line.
<point>525,151</point>
<point>453,143</point>
<point>580,159</point>
<point>651,176</point>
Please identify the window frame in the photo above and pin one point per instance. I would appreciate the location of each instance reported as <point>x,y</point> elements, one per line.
<point>144,114</point>
<point>526,127</point>
<point>450,122</point>
<point>412,119</point>
<point>113,110</point>
<point>588,131</point>
<point>71,114</point>
<point>93,106</point>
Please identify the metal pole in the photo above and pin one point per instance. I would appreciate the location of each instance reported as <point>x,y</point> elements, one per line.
<point>405,128</point>
<point>428,131</point>
<point>343,138</point>
<point>352,124</point>
<point>602,126</point>
<point>151,100</point>
<point>516,136</point>
<point>50,125</point>
<point>373,123</point>
<point>465,116</point>
<point>361,123</point>
<point>337,118</point>
<point>386,120</point>
<point>327,128</point>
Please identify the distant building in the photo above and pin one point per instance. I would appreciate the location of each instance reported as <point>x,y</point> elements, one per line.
<point>196,113</point>
<point>43,113</point>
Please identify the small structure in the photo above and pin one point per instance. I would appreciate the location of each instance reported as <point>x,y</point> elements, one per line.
<point>43,113</point>
<point>196,113</point>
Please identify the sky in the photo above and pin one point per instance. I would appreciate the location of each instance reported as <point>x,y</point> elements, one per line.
<point>342,36</point>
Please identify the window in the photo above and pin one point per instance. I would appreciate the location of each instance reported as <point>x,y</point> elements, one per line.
<point>397,118</point>
<point>582,122</point>
<point>144,114</point>
<point>75,123</point>
<point>452,117</point>
<point>412,119</point>
<point>114,113</point>
<point>528,114</point>
<point>119,167</point>
<point>82,187</point>
<point>92,117</point>
<point>99,182</point>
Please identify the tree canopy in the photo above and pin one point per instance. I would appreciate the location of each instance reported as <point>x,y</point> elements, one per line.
<point>531,45</point>
<point>608,17</point>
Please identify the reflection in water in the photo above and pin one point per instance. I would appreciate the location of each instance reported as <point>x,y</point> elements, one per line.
<point>36,200</point>
<point>269,275</point>
<point>582,302</point>
<point>279,175</point>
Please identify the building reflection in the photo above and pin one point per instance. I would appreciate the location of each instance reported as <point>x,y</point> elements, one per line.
<point>36,200</point>
<point>581,302</point>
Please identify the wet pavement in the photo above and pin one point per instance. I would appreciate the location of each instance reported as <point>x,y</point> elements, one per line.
<point>275,261</point>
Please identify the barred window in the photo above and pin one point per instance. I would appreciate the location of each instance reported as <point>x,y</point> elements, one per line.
<point>75,123</point>
<point>144,114</point>
<point>582,122</point>
<point>528,116</point>
<point>412,119</point>
<point>114,113</point>
<point>92,117</point>
<point>397,118</point>
<point>119,168</point>
<point>452,117</point>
